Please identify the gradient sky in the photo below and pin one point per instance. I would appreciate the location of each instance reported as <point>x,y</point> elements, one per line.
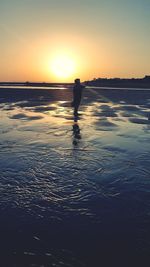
<point>105,38</point>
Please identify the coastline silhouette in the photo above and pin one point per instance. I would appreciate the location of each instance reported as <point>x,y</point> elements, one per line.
<point>133,82</point>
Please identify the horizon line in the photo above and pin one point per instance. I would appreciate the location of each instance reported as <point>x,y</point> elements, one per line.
<point>46,82</point>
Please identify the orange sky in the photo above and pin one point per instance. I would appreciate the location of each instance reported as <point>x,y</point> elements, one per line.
<point>92,39</point>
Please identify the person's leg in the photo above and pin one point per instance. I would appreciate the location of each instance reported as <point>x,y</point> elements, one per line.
<point>76,107</point>
<point>76,110</point>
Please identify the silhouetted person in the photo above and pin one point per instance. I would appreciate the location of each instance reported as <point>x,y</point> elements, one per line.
<point>77,94</point>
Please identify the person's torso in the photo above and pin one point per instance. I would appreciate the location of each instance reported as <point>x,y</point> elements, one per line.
<point>77,90</point>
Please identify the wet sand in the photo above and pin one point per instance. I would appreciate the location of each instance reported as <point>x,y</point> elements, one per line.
<point>74,191</point>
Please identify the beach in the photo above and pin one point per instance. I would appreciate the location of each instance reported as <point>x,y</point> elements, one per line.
<point>74,191</point>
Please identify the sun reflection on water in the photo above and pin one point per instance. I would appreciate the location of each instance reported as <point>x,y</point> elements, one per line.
<point>59,170</point>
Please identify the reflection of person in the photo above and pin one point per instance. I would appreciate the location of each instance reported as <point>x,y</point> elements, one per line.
<point>77,94</point>
<point>76,134</point>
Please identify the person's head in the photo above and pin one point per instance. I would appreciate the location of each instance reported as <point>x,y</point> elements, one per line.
<point>77,81</point>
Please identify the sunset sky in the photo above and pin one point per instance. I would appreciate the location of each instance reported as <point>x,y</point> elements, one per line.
<point>59,40</point>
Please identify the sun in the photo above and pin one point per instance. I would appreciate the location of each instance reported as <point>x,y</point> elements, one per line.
<point>63,66</point>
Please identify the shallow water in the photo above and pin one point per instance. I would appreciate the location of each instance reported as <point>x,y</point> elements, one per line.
<point>74,192</point>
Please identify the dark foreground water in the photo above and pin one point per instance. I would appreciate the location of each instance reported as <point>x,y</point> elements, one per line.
<point>74,193</point>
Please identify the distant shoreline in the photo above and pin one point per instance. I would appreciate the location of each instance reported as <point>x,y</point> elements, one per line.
<point>115,83</point>
<point>34,84</point>
<point>121,83</point>
<point>14,86</point>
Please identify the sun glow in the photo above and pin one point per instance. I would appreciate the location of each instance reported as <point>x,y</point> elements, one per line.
<point>63,66</point>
